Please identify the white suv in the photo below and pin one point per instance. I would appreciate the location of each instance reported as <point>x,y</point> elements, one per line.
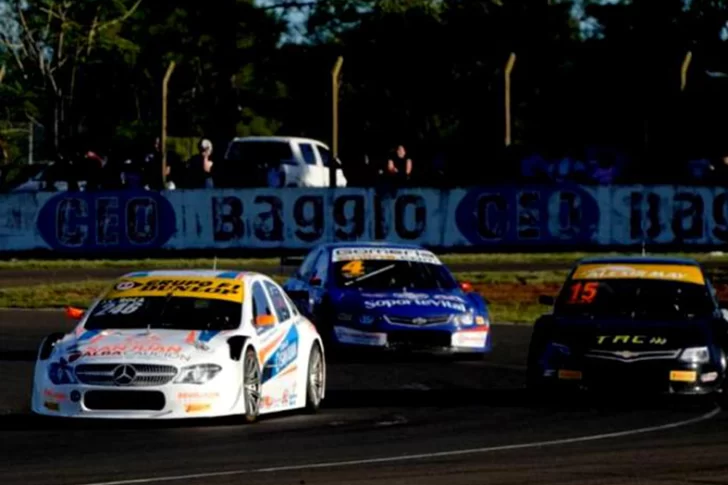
<point>302,162</point>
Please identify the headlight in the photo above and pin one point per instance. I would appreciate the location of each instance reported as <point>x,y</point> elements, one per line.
<point>60,374</point>
<point>464,319</point>
<point>197,374</point>
<point>696,355</point>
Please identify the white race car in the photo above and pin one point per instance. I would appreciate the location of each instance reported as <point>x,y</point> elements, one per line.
<point>179,344</point>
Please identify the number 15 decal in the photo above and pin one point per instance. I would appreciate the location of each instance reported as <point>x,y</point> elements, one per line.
<point>583,292</point>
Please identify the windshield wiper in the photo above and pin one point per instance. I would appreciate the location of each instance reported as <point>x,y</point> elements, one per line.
<point>369,275</point>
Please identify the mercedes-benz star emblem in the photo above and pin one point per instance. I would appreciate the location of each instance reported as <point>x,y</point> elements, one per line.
<point>124,375</point>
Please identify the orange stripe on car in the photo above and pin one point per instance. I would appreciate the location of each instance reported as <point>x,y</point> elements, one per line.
<point>265,352</point>
<point>191,337</point>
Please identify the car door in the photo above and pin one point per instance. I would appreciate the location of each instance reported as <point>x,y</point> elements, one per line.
<point>279,372</point>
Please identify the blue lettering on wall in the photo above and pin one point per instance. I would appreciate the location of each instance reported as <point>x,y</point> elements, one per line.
<point>528,216</point>
<point>106,221</point>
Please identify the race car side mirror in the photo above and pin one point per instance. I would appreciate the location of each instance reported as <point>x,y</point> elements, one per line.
<point>265,320</point>
<point>547,300</point>
<point>74,313</point>
<point>466,287</point>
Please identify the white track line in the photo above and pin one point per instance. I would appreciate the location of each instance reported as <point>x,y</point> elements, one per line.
<point>400,458</point>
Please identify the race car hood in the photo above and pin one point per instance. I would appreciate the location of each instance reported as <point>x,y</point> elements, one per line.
<point>422,303</point>
<point>629,335</point>
<point>141,345</point>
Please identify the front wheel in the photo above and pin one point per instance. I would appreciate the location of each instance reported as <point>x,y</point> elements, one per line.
<point>251,385</point>
<point>316,379</point>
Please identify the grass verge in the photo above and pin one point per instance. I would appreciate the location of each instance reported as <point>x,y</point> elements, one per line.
<point>513,296</point>
<point>180,263</point>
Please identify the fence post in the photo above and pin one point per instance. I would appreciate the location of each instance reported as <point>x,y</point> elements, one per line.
<point>163,138</point>
<point>335,81</point>
<point>507,74</point>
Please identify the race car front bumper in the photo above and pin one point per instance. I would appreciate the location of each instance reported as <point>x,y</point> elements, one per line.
<point>661,377</point>
<point>219,397</point>
<point>465,341</point>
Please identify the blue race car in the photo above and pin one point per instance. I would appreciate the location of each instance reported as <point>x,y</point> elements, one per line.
<point>389,296</point>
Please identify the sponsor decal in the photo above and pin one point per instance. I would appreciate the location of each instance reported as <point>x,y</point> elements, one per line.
<point>409,302</point>
<point>184,396</point>
<point>683,376</point>
<point>630,339</point>
<point>197,407</point>
<point>686,274</point>
<point>569,375</point>
<point>283,356</point>
<point>151,351</point>
<point>358,255</point>
<point>58,396</point>
<point>210,288</point>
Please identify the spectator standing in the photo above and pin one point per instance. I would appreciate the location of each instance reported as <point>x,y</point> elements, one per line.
<point>199,167</point>
<point>399,166</point>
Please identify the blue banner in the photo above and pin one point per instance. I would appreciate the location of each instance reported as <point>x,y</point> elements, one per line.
<point>483,218</point>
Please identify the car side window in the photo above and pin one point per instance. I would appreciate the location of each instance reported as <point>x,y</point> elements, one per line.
<point>309,156</point>
<point>304,271</point>
<point>321,267</point>
<point>261,305</point>
<point>279,302</point>
<point>325,155</point>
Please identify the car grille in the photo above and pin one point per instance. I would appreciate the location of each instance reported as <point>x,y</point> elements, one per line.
<point>124,400</point>
<point>419,321</point>
<point>630,356</point>
<point>144,374</point>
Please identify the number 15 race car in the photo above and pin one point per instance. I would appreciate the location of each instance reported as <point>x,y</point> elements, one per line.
<point>178,344</point>
<point>638,324</point>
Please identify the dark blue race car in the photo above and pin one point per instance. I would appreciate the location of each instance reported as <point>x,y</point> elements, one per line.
<point>389,296</point>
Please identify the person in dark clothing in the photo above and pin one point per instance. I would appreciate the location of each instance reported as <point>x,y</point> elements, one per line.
<point>399,166</point>
<point>152,171</point>
<point>199,167</point>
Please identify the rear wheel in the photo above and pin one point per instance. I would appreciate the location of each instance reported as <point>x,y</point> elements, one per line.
<point>251,385</point>
<point>316,379</point>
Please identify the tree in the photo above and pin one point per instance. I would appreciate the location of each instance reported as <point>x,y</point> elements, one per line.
<point>52,41</point>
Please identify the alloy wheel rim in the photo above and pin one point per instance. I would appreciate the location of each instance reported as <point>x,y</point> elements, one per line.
<point>252,385</point>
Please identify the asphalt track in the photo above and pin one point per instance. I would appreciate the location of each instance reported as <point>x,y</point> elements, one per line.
<point>389,421</point>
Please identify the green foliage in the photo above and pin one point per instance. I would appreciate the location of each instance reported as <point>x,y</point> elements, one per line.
<point>429,72</point>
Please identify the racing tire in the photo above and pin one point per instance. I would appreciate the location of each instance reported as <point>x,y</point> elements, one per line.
<point>315,379</point>
<point>251,385</point>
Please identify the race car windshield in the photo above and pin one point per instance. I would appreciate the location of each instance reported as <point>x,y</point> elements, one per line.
<point>170,312</point>
<point>637,299</point>
<point>388,274</point>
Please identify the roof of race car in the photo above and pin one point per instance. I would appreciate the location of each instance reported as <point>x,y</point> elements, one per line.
<point>189,273</point>
<point>638,260</point>
<point>372,244</point>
